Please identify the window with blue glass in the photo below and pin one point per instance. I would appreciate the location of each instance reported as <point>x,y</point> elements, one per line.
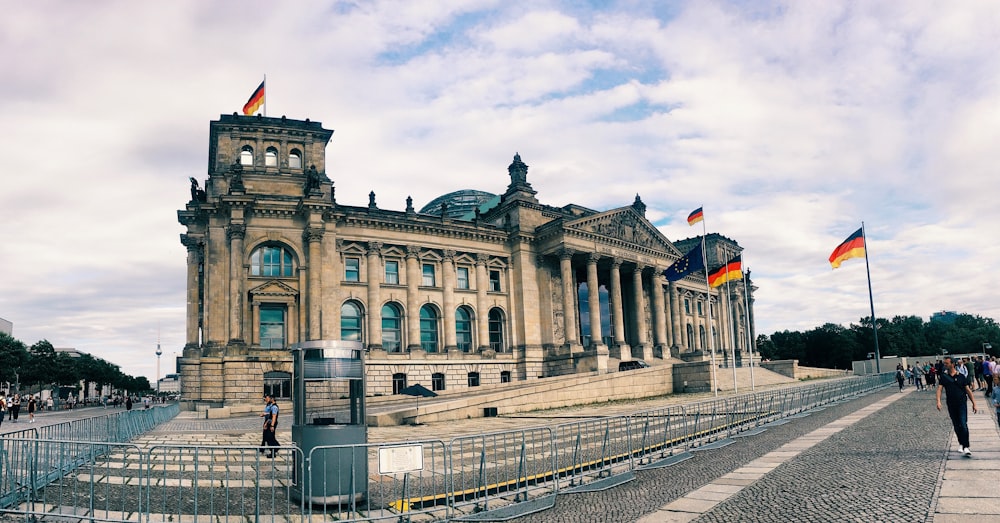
<point>428,275</point>
<point>428,328</point>
<point>392,272</point>
<point>496,330</point>
<point>463,278</point>
<point>352,269</point>
<point>351,321</point>
<point>392,328</point>
<point>272,326</point>
<point>271,261</point>
<point>463,329</point>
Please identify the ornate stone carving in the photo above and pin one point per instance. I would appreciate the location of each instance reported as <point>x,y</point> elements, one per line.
<point>192,243</point>
<point>482,258</point>
<point>236,231</point>
<point>374,247</point>
<point>313,234</point>
<point>413,251</point>
<point>594,257</point>
<point>448,255</point>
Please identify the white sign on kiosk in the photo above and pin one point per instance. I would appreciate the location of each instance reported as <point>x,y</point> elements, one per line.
<point>399,459</point>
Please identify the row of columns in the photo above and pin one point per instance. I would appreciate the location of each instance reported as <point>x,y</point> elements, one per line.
<point>665,333</point>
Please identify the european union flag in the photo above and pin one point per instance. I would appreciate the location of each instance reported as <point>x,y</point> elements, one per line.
<point>688,263</point>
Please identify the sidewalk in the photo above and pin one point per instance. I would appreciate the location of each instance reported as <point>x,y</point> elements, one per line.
<point>970,488</point>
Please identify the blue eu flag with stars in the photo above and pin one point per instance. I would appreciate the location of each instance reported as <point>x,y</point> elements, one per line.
<point>690,262</point>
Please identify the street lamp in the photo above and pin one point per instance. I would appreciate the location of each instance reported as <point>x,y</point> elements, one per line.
<point>986,347</point>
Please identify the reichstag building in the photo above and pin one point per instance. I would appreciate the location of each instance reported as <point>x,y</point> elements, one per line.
<point>471,290</point>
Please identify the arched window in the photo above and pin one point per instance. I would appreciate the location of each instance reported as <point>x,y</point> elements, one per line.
<point>294,159</point>
<point>428,328</point>
<point>496,330</point>
<point>473,379</point>
<point>398,383</point>
<point>437,381</point>
<point>351,321</point>
<point>271,260</point>
<point>246,156</point>
<point>463,329</point>
<point>690,336</point>
<point>271,157</point>
<point>278,384</point>
<point>701,336</point>
<point>392,328</point>
<point>505,376</point>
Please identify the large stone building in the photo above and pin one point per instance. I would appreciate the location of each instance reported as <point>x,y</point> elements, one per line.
<point>510,289</point>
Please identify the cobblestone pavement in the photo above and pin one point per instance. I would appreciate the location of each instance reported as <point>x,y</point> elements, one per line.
<point>883,468</point>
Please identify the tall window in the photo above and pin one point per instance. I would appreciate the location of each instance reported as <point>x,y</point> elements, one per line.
<point>351,321</point>
<point>496,330</point>
<point>352,269</point>
<point>437,381</point>
<point>505,376</point>
<point>392,272</point>
<point>278,384</point>
<point>272,326</point>
<point>700,311</point>
<point>428,328</point>
<point>295,159</point>
<point>687,306</point>
<point>428,273</point>
<point>494,281</point>
<point>272,261</point>
<point>271,157</point>
<point>398,383</point>
<point>246,156</point>
<point>463,277</point>
<point>463,329</point>
<point>392,328</point>
<point>473,379</point>
<point>701,336</point>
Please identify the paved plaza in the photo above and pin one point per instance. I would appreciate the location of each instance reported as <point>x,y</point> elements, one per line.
<point>887,456</point>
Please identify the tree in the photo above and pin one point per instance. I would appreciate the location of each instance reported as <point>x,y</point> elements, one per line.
<point>13,355</point>
<point>41,362</point>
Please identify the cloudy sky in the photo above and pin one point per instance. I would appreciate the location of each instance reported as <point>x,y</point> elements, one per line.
<point>790,122</point>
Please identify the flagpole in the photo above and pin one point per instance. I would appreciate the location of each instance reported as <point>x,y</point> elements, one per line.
<point>708,288</point>
<point>746,314</point>
<point>729,321</point>
<point>265,94</point>
<point>871,300</point>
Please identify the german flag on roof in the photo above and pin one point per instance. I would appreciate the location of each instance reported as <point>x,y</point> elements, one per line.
<point>853,247</point>
<point>256,100</point>
<point>732,270</point>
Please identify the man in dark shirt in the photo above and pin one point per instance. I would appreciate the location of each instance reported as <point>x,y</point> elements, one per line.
<point>957,389</point>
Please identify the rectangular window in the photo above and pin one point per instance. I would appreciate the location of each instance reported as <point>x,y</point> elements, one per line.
<point>428,271</point>
<point>700,312</point>
<point>494,281</point>
<point>463,277</point>
<point>687,307</point>
<point>272,327</point>
<point>392,272</point>
<point>352,269</point>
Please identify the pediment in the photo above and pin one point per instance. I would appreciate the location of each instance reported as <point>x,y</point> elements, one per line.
<point>624,224</point>
<point>273,288</point>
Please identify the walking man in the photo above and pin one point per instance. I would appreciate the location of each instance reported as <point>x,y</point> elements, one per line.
<point>957,389</point>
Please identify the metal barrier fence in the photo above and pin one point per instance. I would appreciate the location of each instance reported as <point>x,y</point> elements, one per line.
<point>473,478</point>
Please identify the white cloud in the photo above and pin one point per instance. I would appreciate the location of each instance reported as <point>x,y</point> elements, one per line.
<point>790,122</point>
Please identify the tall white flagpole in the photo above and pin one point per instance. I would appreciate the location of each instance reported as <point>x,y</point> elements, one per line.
<point>871,300</point>
<point>746,314</point>
<point>708,333</point>
<point>728,322</point>
<point>265,94</point>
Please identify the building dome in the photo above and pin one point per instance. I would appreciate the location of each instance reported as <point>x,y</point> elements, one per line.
<point>460,204</point>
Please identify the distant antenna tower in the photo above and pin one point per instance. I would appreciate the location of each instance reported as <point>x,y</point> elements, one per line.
<point>158,353</point>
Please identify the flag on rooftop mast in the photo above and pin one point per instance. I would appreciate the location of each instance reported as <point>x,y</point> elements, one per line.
<point>256,100</point>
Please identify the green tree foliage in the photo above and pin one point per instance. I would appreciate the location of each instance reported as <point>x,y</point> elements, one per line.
<point>41,366</point>
<point>834,346</point>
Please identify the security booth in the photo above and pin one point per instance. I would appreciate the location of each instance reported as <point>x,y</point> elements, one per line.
<point>321,369</point>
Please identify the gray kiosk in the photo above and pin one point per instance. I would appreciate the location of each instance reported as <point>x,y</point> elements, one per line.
<point>330,475</point>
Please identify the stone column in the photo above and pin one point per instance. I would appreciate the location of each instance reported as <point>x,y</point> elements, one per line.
<point>448,281</point>
<point>642,343</point>
<point>374,262</point>
<point>413,277</point>
<point>617,309</point>
<point>236,233</point>
<point>676,329</point>
<point>482,305</point>
<point>659,314</point>
<point>314,236</point>
<point>569,303</point>
<point>594,300</point>
<point>193,259</point>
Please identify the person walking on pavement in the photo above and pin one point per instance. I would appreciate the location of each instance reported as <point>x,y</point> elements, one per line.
<point>270,416</point>
<point>956,387</point>
<point>16,408</point>
<point>918,376</point>
<point>900,378</point>
<point>995,398</point>
<point>32,405</point>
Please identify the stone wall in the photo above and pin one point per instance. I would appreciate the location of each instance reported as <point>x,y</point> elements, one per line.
<point>695,376</point>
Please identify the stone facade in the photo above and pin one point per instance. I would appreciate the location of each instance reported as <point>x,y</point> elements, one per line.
<point>499,295</point>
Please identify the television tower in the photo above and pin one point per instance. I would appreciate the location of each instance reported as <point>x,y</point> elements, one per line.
<point>158,353</point>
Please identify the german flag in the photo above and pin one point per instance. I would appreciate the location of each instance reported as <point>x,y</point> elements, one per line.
<point>256,100</point>
<point>732,270</point>
<point>853,247</point>
<point>696,216</point>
